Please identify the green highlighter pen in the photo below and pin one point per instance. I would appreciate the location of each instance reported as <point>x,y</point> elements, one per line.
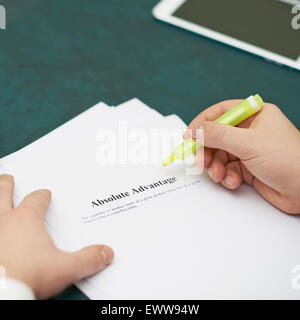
<point>233,117</point>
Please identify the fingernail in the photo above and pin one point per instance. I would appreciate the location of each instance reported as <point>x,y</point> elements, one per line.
<point>229,181</point>
<point>8,176</point>
<point>46,190</point>
<point>107,254</point>
<point>210,173</point>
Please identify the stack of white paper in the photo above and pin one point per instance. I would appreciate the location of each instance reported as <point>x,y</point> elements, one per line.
<point>175,236</point>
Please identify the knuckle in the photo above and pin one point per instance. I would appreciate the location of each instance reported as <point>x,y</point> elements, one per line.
<point>272,107</point>
<point>28,211</point>
<point>222,133</point>
<point>25,210</point>
<point>292,207</point>
<point>215,133</point>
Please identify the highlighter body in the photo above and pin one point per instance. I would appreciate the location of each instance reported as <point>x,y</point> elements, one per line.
<point>242,111</point>
<point>233,117</point>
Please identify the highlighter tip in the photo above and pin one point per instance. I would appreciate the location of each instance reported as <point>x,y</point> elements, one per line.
<point>168,161</point>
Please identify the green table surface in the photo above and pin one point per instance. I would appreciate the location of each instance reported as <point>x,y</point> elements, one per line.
<point>57,58</point>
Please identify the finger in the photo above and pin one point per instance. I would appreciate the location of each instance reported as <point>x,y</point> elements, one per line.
<point>209,114</point>
<point>231,157</point>
<point>233,177</point>
<point>200,163</point>
<point>36,202</point>
<point>246,174</point>
<point>6,192</point>
<point>217,170</point>
<point>237,141</point>
<point>87,262</point>
<point>265,118</point>
<point>247,122</point>
<point>275,198</point>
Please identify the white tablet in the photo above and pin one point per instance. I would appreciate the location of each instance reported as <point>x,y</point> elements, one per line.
<point>268,28</point>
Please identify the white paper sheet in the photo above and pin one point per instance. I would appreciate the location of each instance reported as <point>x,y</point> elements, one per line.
<point>185,239</point>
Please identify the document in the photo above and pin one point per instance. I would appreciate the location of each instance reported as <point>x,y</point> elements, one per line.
<point>175,235</point>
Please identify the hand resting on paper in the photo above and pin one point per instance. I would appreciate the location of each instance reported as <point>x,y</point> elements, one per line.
<point>263,151</point>
<point>27,252</point>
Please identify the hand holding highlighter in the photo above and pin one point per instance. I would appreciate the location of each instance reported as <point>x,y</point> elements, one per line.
<point>233,117</point>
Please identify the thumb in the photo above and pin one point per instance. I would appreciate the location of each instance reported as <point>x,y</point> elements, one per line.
<point>234,140</point>
<point>70,267</point>
<point>88,261</point>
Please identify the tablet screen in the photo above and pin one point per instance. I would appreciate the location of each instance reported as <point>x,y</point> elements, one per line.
<point>263,23</point>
